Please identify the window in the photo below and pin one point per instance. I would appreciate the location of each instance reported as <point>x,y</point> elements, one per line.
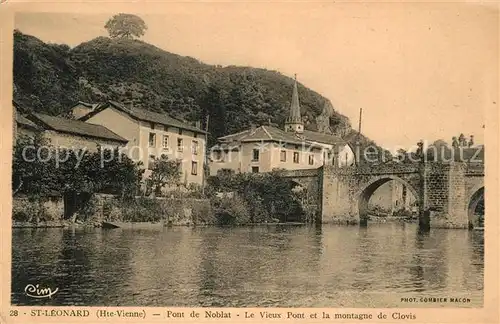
<point>255,169</point>
<point>165,128</point>
<point>295,157</point>
<point>180,146</point>
<point>179,165</point>
<point>151,162</point>
<point>255,156</point>
<point>195,147</point>
<point>165,141</point>
<point>283,156</point>
<point>311,159</point>
<point>152,139</point>
<point>194,168</point>
<point>152,125</point>
<point>195,135</point>
<point>180,131</point>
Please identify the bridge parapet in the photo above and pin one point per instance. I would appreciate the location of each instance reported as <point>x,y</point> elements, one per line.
<point>304,173</point>
<point>375,169</point>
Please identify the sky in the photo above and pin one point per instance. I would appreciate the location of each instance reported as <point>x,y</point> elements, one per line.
<point>420,71</point>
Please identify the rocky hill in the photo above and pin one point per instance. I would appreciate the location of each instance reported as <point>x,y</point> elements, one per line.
<point>51,77</point>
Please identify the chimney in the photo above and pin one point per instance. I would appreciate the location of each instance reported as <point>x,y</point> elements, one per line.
<point>127,103</point>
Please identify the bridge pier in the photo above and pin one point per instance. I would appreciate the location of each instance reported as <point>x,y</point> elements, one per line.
<point>444,195</point>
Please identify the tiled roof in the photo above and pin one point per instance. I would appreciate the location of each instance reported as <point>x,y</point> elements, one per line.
<point>146,115</point>
<point>270,133</point>
<point>75,127</point>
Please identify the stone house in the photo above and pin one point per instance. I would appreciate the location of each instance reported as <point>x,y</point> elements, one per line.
<point>75,134</point>
<point>151,135</point>
<point>265,148</point>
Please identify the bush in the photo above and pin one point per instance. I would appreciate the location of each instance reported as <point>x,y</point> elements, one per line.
<point>90,210</point>
<point>25,210</point>
<point>267,196</point>
<point>142,210</point>
<point>232,211</point>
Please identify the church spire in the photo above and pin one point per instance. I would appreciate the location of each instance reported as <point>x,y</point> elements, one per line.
<point>294,121</point>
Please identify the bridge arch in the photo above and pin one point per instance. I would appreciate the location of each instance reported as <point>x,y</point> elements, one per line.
<point>365,193</point>
<point>477,194</point>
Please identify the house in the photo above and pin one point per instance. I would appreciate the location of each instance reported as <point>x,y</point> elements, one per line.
<point>81,109</point>
<point>151,135</point>
<point>265,148</point>
<point>75,134</point>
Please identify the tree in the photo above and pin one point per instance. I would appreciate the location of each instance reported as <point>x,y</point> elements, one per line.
<point>126,26</point>
<point>40,170</point>
<point>32,173</point>
<point>213,105</point>
<point>164,172</point>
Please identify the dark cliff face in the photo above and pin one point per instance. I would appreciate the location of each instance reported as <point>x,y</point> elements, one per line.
<point>49,78</point>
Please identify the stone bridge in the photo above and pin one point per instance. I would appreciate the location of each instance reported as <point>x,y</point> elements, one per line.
<point>447,193</point>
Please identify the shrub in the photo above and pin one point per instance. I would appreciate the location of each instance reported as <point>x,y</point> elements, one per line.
<point>232,211</point>
<point>142,210</point>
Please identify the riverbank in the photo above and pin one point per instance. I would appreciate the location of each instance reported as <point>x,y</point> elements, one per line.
<point>137,225</point>
<point>55,224</point>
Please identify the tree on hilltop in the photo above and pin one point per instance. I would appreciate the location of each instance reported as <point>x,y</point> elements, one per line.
<point>126,26</point>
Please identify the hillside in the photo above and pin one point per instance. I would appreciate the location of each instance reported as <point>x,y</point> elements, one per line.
<point>51,77</point>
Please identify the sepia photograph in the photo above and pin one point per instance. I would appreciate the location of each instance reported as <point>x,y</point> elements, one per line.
<point>253,155</point>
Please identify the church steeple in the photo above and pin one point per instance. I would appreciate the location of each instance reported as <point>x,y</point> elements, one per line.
<point>294,121</point>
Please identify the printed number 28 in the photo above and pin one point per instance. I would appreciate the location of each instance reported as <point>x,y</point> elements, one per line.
<point>14,313</point>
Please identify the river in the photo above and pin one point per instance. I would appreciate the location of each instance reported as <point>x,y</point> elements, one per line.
<point>262,266</point>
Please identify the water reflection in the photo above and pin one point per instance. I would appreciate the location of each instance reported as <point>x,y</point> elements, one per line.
<point>279,266</point>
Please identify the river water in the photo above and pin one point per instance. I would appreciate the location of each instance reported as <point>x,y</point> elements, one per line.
<point>262,266</point>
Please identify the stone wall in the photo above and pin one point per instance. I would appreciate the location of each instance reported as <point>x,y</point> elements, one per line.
<point>457,211</point>
<point>445,194</point>
<point>187,211</point>
<point>435,187</point>
<point>337,205</point>
<point>22,209</point>
<point>174,211</point>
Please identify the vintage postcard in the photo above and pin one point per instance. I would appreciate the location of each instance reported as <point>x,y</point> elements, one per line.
<point>249,161</point>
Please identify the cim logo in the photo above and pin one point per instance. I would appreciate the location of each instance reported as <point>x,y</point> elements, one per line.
<point>39,292</point>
